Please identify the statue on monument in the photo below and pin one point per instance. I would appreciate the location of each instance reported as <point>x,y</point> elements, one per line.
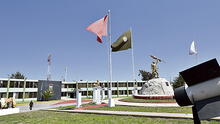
<point>7,102</point>
<point>154,67</point>
<point>96,84</point>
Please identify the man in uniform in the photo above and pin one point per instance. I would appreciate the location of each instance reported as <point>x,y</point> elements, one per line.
<point>154,69</point>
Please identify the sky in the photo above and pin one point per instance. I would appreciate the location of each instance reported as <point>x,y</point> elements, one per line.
<point>30,30</point>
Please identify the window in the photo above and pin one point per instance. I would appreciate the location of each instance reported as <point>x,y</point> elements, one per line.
<point>167,83</point>
<point>26,95</point>
<point>63,94</point>
<point>82,85</point>
<point>114,92</point>
<point>20,95</point>
<point>32,95</point>
<point>35,84</point>
<point>70,85</point>
<point>31,84</point>
<point>5,83</point>
<point>10,95</point>
<point>130,84</point>
<point>27,84</point>
<point>90,93</point>
<point>3,95</point>
<point>114,84</point>
<point>16,84</point>
<point>84,93</point>
<point>122,84</point>
<point>139,84</point>
<point>106,84</point>
<point>21,84</point>
<point>11,84</point>
<point>121,92</point>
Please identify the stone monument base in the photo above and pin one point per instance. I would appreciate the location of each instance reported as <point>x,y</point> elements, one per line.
<point>111,102</point>
<point>153,97</point>
<point>9,111</point>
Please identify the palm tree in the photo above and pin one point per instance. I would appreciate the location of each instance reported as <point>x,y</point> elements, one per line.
<point>17,75</point>
<point>47,94</point>
<point>145,75</point>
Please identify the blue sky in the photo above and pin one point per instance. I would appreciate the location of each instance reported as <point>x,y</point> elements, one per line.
<point>30,30</point>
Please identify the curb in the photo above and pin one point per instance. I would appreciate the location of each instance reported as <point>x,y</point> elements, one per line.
<point>135,114</point>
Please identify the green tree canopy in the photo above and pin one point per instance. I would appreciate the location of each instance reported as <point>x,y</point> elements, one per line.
<point>178,82</point>
<point>17,75</point>
<point>47,94</point>
<point>145,75</point>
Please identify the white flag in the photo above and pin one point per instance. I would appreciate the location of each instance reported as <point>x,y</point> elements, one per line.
<point>192,49</point>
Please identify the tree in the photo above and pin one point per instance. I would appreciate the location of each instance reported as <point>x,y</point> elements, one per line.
<point>145,75</point>
<point>47,94</point>
<point>178,82</point>
<point>17,75</point>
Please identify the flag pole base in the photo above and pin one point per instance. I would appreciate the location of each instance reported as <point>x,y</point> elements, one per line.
<point>111,102</point>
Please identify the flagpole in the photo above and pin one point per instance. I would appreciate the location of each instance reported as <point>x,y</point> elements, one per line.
<point>197,55</point>
<point>196,58</point>
<point>110,102</point>
<point>132,57</point>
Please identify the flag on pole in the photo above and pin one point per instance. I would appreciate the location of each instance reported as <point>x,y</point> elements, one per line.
<point>123,42</point>
<point>49,59</point>
<point>192,50</point>
<point>99,28</point>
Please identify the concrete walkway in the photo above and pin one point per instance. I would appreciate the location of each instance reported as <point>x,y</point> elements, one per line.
<point>47,105</point>
<point>137,114</point>
<point>117,102</point>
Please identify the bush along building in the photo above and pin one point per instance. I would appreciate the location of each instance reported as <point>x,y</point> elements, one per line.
<point>25,89</point>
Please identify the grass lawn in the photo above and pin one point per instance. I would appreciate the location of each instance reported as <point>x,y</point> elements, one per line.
<point>131,99</point>
<point>74,106</point>
<point>49,117</point>
<point>147,109</point>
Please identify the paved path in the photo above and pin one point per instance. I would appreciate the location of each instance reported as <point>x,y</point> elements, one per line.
<point>117,102</point>
<point>47,105</point>
<point>139,114</point>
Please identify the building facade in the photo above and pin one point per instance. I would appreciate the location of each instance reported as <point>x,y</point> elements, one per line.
<point>22,89</point>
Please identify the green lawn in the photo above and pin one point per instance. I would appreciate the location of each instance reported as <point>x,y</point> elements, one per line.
<point>65,107</point>
<point>147,109</point>
<point>49,117</point>
<point>131,99</point>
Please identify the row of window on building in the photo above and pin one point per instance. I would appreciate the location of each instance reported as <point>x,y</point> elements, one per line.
<point>90,93</point>
<point>18,84</point>
<point>90,85</point>
<point>19,95</point>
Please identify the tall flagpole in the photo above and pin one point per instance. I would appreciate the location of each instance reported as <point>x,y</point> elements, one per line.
<point>196,56</point>
<point>132,56</point>
<point>110,53</point>
<point>111,103</point>
<point>65,74</point>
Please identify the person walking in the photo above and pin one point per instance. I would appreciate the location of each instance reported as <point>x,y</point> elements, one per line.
<point>31,104</point>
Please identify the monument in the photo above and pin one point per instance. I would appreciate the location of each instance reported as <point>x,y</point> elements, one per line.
<point>78,98</point>
<point>5,104</point>
<point>97,93</point>
<point>156,88</point>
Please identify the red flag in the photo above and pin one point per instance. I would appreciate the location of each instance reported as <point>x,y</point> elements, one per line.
<point>99,28</point>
